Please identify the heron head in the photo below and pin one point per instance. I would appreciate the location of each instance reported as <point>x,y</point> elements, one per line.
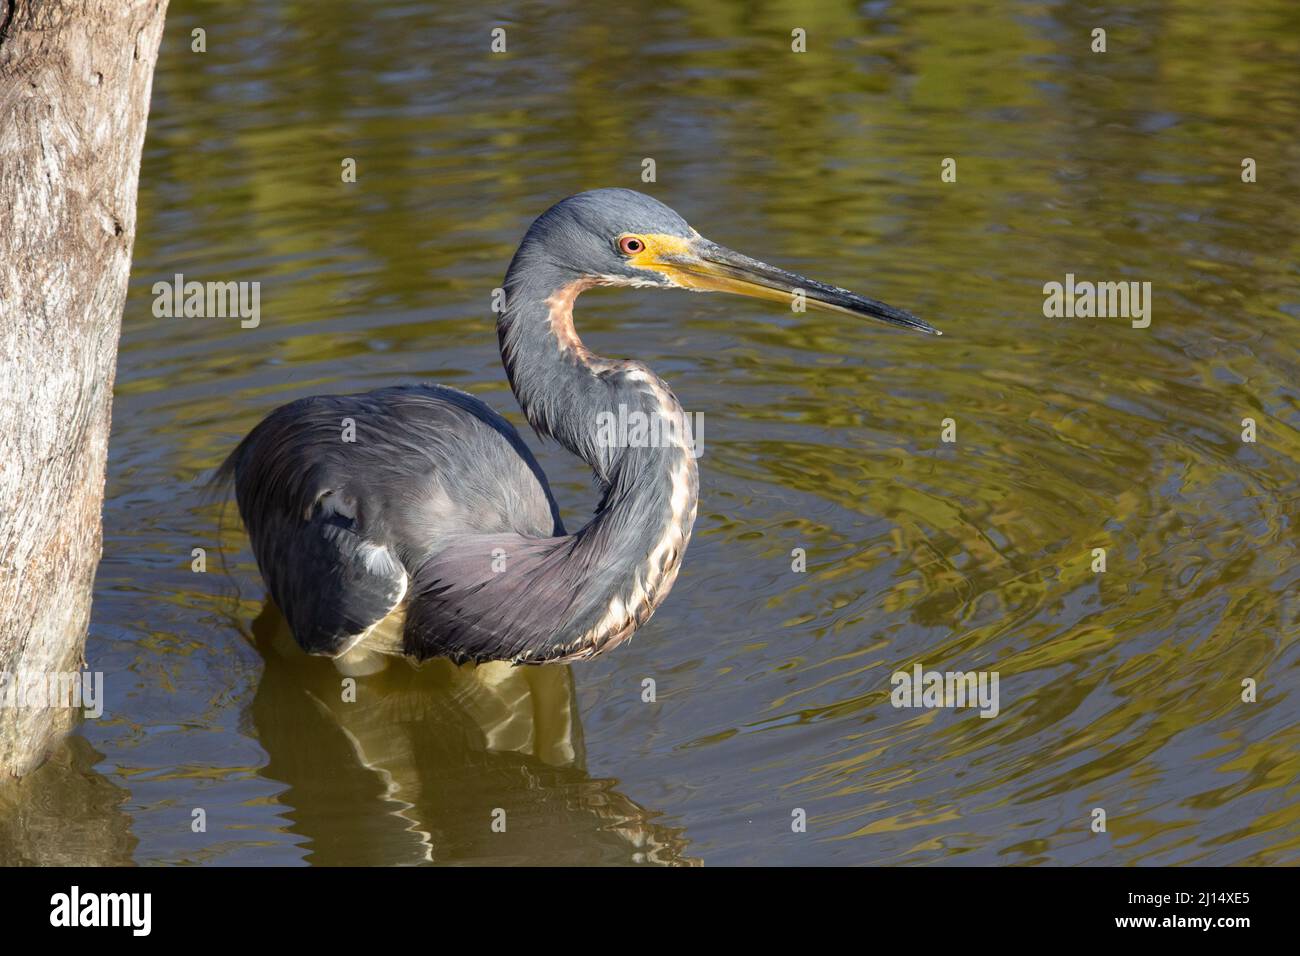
<point>622,237</point>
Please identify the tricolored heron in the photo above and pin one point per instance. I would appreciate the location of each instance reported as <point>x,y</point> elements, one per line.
<point>434,533</point>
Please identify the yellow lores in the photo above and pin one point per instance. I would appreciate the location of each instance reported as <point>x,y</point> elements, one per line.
<point>704,266</point>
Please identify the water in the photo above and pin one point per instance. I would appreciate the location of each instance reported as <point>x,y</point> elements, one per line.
<point>1119,690</point>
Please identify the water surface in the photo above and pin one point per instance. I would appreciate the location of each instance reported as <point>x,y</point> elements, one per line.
<point>1119,690</point>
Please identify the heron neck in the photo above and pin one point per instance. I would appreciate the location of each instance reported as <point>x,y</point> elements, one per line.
<point>596,408</point>
<point>561,386</point>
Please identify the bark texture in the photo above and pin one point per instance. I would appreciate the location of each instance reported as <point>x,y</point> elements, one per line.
<point>75,81</point>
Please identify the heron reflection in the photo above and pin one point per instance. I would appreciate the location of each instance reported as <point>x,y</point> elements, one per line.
<point>408,765</point>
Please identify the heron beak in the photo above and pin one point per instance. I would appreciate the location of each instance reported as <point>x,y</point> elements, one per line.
<point>699,264</point>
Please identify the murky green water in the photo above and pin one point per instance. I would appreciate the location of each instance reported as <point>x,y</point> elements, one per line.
<point>1120,690</point>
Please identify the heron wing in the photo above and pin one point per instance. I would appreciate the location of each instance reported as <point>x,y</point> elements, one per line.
<point>506,597</point>
<point>332,584</point>
<point>468,602</point>
<point>337,521</point>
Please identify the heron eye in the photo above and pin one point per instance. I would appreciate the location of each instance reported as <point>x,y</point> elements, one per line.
<point>631,245</point>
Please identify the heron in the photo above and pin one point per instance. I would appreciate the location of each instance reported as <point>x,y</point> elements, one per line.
<point>433,532</point>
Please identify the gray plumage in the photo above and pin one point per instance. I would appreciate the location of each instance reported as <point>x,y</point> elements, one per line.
<point>338,527</point>
<point>438,517</point>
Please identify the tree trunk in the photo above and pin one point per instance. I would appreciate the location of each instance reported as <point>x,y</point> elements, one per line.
<point>75,80</point>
